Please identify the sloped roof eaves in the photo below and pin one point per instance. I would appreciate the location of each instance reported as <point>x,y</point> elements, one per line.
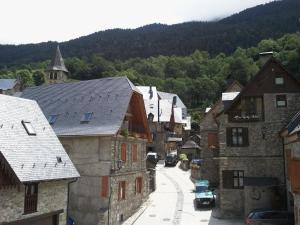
<point>272,59</point>
<point>106,98</point>
<point>190,144</point>
<point>32,158</point>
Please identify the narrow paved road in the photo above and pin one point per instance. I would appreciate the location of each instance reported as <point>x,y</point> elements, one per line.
<point>172,202</point>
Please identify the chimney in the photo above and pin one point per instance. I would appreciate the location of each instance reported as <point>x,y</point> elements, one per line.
<point>174,100</point>
<point>265,56</point>
<point>151,92</point>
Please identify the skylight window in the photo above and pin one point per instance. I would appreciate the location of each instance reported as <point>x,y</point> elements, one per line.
<point>86,117</point>
<point>52,119</point>
<point>28,127</point>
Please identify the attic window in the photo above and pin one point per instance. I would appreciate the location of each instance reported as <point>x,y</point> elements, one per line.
<point>58,158</point>
<point>52,119</point>
<point>86,117</point>
<point>28,127</point>
<point>279,80</point>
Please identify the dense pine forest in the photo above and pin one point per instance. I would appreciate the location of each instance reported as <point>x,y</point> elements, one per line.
<point>197,78</point>
<point>244,29</point>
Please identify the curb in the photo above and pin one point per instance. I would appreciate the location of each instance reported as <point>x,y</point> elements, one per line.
<point>131,220</point>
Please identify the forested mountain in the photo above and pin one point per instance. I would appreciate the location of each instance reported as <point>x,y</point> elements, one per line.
<point>244,29</point>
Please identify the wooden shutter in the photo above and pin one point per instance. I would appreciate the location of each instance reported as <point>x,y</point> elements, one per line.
<point>104,186</point>
<point>123,152</point>
<point>295,176</point>
<point>245,136</point>
<point>227,178</point>
<point>134,152</point>
<point>212,139</point>
<point>288,163</point>
<point>138,185</point>
<point>229,136</point>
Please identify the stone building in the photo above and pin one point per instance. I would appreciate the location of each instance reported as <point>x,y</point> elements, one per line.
<point>251,163</point>
<point>103,126</point>
<point>56,71</point>
<point>9,86</point>
<point>35,170</point>
<point>167,119</point>
<point>209,126</point>
<point>291,139</point>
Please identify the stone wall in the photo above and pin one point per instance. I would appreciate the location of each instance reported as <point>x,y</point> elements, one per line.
<point>95,157</point>
<point>52,196</point>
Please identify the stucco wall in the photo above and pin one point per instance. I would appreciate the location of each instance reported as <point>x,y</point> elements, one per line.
<point>52,196</point>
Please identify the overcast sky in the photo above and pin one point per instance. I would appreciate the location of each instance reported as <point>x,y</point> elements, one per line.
<point>32,21</point>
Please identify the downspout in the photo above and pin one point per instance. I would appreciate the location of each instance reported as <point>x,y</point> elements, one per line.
<point>68,197</point>
<point>284,174</point>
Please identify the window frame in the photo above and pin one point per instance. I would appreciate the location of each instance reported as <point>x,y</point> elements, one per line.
<point>85,118</point>
<point>138,185</point>
<point>134,152</point>
<point>243,135</point>
<point>278,77</point>
<point>104,186</point>
<point>122,190</point>
<point>123,152</point>
<point>29,128</point>
<point>30,198</point>
<point>230,176</point>
<point>281,100</point>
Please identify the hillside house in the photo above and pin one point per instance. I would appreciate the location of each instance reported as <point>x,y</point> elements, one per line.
<point>251,162</point>
<point>35,170</point>
<point>209,128</point>
<point>9,86</point>
<point>291,139</point>
<point>103,126</point>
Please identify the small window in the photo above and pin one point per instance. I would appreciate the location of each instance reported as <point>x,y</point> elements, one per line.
<point>123,152</point>
<point>52,119</point>
<point>31,198</point>
<point>237,137</point>
<point>279,81</point>
<point>134,152</point>
<point>233,179</point>
<point>122,187</point>
<point>281,101</point>
<point>29,128</point>
<point>138,185</point>
<point>55,76</point>
<point>86,117</point>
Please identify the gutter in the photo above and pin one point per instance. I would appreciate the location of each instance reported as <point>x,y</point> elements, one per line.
<point>68,199</point>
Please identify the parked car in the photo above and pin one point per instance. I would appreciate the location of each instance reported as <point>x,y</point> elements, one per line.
<point>269,217</point>
<point>203,195</point>
<point>152,157</point>
<point>171,160</point>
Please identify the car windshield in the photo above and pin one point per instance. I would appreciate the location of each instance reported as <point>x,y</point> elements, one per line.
<point>169,157</point>
<point>201,188</point>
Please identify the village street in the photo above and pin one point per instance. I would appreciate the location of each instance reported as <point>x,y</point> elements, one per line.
<point>172,202</point>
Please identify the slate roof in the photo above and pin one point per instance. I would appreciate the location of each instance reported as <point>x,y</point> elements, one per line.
<point>107,99</point>
<point>31,157</point>
<point>179,103</point>
<point>294,125</point>
<point>57,62</point>
<point>151,103</point>
<point>165,110</point>
<point>6,84</point>
<point>190,144</point>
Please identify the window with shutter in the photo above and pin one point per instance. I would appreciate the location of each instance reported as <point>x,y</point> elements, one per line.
<point>31,198</point>
<point>123,152</point>
<point>295,174</point>
<point>288,163</point>
<point>122,186</point>
<point>227,176</point>
<point>237,136</point>
<point>104,186</point>
<point>134,152</point>
<point>212,139</point>
<point>138,185</point>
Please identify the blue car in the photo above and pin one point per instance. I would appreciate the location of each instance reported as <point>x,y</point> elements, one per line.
<point>203,196</point>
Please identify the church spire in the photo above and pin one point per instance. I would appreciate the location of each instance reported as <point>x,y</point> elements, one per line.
<point>56,71</point>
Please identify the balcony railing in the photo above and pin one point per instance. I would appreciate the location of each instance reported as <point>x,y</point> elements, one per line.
<point>240,116</point>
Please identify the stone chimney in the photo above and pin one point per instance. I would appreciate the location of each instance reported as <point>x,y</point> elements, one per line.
<point>265,56</point>
<point>174,100</point>
<point>151,92</point>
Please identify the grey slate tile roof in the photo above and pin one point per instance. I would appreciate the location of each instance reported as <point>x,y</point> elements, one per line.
<point>106,98</point>
<point>57,62</point>
<point>294,125</point>
<point>6,84</point>
<point>32,158</point>
<point>179,103</point>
